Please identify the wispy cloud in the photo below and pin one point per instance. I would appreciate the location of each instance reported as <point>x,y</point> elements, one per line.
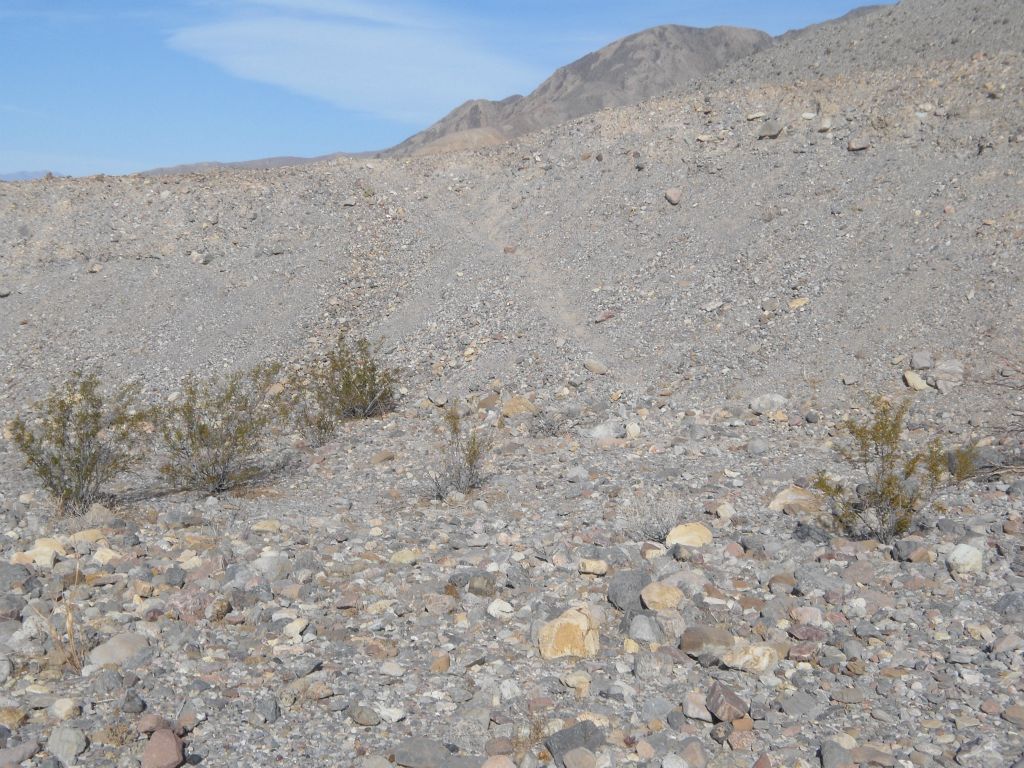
<point>375,58</point>
<point>14,109</point>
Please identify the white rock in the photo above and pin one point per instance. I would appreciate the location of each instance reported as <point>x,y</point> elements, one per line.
<point>964,559</point>
<point>499,609</point>
<point>767,403</point>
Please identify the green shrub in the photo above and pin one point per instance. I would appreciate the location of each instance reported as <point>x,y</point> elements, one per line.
<point>350,383</point>
<point>79,440</point>
<point>461,467</point>
<point>215,431</point>
<point>898,482</point>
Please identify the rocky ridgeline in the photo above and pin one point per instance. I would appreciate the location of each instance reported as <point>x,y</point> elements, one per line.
<point>635,584</point>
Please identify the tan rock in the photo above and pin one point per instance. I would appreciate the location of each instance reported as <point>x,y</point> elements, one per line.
<point>44,553</point>
<point>90,535</point>
<point>659,596</point>
<point>594,567</point>
<point>267,526</point>
<point>440,662</point>
<point>574,633</point>
<point>405,557</point>
<point>755,658</point>
<point>795,500</point>
<point>105,555</point>
<point>913,380</point>
<point>517,405</point>
<point>688,535</point>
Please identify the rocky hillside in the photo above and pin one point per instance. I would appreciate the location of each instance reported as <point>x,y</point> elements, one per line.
<point>635,68</point>
<point>659,317</point>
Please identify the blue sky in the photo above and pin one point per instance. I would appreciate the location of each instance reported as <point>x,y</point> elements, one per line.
<point>117,86</point>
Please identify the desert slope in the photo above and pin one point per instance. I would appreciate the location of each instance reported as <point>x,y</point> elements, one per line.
<point>656,314</point>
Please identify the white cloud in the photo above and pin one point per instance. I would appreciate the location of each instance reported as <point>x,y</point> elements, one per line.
<point>359,56</point>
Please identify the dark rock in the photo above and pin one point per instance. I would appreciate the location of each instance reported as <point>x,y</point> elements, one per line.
<point>583,734</point>
<point>624,590</point>
<point>422,753</point>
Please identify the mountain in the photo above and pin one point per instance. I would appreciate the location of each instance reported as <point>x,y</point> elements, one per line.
<point>25,175</point>
<point>638,67</point>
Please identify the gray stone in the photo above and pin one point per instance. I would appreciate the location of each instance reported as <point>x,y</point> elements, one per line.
<point>133,703</point>
<point>767,403</point>
<point>583,734</point>
<point>624,589</point>
<point>770,129</point>
<point>981,753</point>
<point>921,360</point>
<point>268,709</point>
<point>835,755</point>
<point>66,744</point>
<point>758,447</point>
<point>422,753</point>
<point>118,649</point>
<point>13,578</point>
<point>800,704</point>
<point>1010,604</point>
<point>644,629</point>
<point>365,716</point>
<point>581,757</point>
<point>18,754</point>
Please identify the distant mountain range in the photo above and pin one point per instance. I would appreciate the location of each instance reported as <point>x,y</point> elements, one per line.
<point>25,175</point>
<point>633,69</point>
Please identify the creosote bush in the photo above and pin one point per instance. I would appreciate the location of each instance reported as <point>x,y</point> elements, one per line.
<point>350,383</point>
<point>898,482</point>
<point>214,432</point>
<point>461,467</point>
<point>79,439</point>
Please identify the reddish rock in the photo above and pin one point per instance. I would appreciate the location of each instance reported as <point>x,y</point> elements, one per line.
<point>164,750</point>
<point>150,723</point>
<point>725,704</point>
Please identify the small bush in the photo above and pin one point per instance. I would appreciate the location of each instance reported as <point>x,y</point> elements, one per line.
<point>650,518</point>
<point>898,482</point>
<point>350,383</point>
<point>81,440</point>
<point>461,467</point>
<point>215,431</point>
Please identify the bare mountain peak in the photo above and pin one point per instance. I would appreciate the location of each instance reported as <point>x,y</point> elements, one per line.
<point>632,69</point>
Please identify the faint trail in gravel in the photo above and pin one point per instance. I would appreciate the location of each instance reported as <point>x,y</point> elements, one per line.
<point>551,291</point>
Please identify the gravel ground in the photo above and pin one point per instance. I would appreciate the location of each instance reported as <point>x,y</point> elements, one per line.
<point>610,300</point>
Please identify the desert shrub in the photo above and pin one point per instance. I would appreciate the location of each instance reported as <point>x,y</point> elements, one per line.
<point>898,482</point>
<point>214,432</point>
<point>349,383</point>
<point>78,439</point>
<point>650,517</point>
<point>460,468</point>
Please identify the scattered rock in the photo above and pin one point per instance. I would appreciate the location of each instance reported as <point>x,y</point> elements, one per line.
<point>163,750</point>
<point>574,633</point>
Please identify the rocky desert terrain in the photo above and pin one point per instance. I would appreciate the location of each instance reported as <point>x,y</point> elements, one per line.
<point>659,316</point>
